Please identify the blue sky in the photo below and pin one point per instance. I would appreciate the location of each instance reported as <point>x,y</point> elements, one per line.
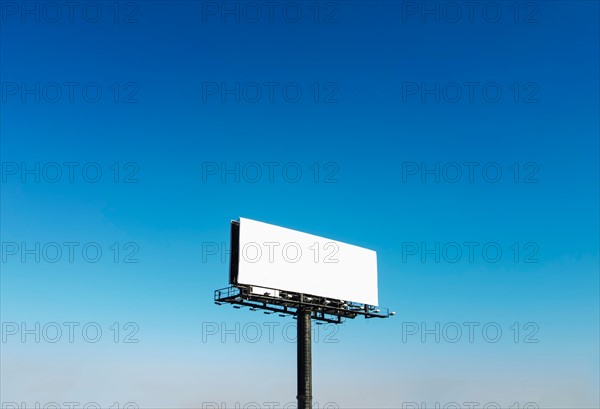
<point>373,95</point>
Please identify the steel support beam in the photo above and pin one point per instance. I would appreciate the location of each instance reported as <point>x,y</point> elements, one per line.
<point>304,360</point>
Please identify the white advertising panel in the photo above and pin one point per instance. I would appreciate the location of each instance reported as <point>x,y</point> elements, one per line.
<point>284,259</point>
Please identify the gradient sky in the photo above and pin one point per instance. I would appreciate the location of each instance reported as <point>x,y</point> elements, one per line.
<point>378,105</point>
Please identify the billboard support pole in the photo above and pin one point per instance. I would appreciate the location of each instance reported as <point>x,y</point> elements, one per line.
<point>304,359</point>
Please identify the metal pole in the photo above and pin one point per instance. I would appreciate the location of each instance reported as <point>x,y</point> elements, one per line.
<point>304,360</point>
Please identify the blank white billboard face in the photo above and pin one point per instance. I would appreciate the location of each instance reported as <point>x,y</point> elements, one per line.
<point>275,257</point>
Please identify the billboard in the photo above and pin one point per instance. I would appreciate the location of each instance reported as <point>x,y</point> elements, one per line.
<point>265,255</point>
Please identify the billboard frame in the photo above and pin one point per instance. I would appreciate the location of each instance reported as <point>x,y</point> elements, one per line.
<point>350,274</point>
